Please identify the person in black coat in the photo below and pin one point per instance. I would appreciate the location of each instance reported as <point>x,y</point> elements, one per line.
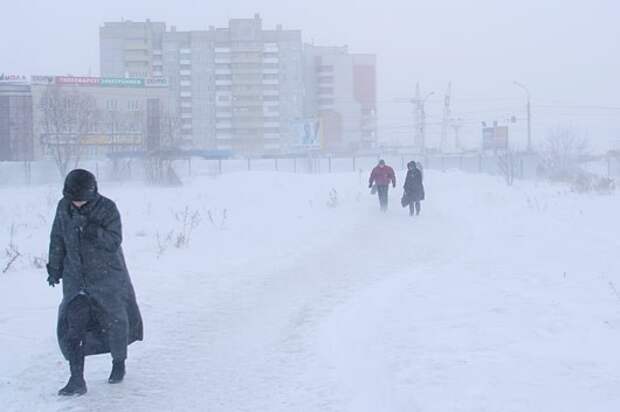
<point>414,189</point>
<point>98,313</point>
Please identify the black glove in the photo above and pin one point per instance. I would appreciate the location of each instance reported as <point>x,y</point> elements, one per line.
<point>394,186</point>
<point>54,276</point>
<point>370,185</point>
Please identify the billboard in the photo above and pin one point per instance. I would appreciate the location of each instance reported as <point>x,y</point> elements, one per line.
<point>93,139</point>
<point>495,138</point>
<point>309,132</point>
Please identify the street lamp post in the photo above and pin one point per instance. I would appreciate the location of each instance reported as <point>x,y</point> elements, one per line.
<point>529,116</point>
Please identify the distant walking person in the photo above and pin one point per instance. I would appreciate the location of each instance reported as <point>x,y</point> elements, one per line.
<point>98,313</point>
<point>381,177</point>
<point>414,189</point>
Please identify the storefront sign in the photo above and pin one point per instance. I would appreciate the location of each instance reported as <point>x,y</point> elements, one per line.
<point>121,82</point>
<point>78,81</point>
<point>12,78</point>
<point>42,80</point>
<point>156,82</point>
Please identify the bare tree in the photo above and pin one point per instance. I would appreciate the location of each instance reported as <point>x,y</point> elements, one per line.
<point>170,129</point>
<point>159,168</point>
<point>563,148</point>
<point>507,163</point>
<point>67,116</point>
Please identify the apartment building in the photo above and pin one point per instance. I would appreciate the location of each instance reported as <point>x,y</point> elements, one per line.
<point>238,88</point>
<point>131,49</point>
<point>341,90</point>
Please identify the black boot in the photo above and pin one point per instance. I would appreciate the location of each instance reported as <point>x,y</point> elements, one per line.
<point>76,385</point>
<point>118,372</point>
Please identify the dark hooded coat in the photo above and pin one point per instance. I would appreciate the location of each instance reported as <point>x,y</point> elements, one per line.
<point>414,188</point>
<point>85,252</point>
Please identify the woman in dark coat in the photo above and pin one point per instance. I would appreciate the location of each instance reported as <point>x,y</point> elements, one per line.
<point>414,189</point>
<point>98,312</point>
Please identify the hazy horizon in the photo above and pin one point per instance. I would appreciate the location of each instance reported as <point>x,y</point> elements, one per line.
<point>566,52</point>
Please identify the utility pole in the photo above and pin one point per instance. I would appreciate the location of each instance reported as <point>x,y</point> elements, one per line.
<point>456,125</point>
<point>417,118</point>
<point>446,117</point>
<point>420,118</point>
<point>529,116</point>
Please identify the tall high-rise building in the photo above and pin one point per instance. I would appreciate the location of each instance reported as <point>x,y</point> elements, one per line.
<point>131,49</point>
<point>238,88</point>
<point>341,89</point>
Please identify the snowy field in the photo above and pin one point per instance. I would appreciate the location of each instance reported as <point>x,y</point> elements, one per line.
<point>495,299</point>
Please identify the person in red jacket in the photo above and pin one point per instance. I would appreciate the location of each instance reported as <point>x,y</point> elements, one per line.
<point>381,176</point>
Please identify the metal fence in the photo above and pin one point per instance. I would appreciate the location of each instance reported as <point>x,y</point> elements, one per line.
<point>43,172</point>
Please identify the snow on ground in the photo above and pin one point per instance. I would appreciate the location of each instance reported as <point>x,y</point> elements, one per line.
<point>495,299</point>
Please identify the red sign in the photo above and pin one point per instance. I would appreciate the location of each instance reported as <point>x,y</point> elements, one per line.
<point>78,81</point>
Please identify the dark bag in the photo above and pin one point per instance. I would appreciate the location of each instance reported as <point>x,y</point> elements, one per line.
<point>404,201</point>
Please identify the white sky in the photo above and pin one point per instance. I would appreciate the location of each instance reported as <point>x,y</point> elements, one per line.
<point>566,51</point>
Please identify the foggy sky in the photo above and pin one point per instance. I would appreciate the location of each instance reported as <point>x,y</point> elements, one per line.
<point>567,52</point>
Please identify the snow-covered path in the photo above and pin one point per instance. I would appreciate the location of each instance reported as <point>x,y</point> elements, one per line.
<point>496,299</point>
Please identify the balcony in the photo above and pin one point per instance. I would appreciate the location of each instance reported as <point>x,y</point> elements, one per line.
<point>271,92</point>
<point>185,51</point>
<point>136,45</point>
<point>187,104</point>
<point>271,48</point>
<point>269,114</point>
<point>186,94</point>
<point>185,72</point>
<point>185,83</point>
<point>186,115</point>
<point>185,62</point>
